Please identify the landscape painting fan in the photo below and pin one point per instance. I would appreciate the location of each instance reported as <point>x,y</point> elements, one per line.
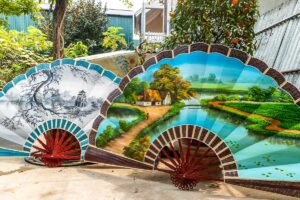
<point>198,113</point>
<point>207,113</point>
<point>48,112</point>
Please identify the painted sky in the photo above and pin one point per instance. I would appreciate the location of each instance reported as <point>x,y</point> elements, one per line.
<point>226,69</point>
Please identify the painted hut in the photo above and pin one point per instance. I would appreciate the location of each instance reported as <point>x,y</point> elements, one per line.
<point>154,98</point>
<point>166,98</point>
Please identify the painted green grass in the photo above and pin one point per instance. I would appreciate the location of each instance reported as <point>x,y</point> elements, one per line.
<point>124,109</point>
<point>218,87</point>
<point>287,114</point>
<point>256,124</point>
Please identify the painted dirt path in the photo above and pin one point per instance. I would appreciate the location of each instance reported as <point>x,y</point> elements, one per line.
<point>274,126</point>
<point>155,112</point>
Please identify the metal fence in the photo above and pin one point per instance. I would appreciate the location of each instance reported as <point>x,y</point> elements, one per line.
<point>153,37</point>
<point>278,39</point>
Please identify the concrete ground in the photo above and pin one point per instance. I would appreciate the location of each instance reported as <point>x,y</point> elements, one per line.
<point>19,180</point>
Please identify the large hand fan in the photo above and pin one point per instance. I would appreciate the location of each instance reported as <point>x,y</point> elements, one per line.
<point>48,112</point>
<point>208,113</point>
<point>199,113</point>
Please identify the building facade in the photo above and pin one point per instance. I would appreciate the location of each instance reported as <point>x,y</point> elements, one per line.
<point>152,21</point>
<point>123,18</point>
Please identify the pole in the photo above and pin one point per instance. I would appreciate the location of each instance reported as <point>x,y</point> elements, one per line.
<point>165,17</point>
<point>143,20</point>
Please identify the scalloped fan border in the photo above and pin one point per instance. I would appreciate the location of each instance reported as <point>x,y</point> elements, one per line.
<point>190,131</point>
<point>66,61</point>
<point>242,56</point>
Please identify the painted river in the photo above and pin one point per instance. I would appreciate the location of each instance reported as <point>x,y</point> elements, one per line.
<point>258,156</point>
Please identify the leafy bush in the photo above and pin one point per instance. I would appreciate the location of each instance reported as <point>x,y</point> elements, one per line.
<point>76,50</point>
<point>105,137</point>
<point>33,40</point>
<point>270,94</point>
<point>85,21</point>
<point>113,39</point>
<point>281,96</point>
<point>123,125</point>
<point>255,94</point>
<point>259,94</point>
<point>18,7</point>
<point>214,21</point>
<point>220,97</point>
<point>233,97</point>
<point>137,148</point>
<point>19,51</point>
<point>146,47</point>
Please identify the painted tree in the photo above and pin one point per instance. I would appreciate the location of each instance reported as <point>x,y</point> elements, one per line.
<point>259,94</point>
<point>228,22</point>
<point>134,88</point>
<point>168,78</point>
<point>42,98</point>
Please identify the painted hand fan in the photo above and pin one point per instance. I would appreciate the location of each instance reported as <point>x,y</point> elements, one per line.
<point>205,113</point>
<point>198,113</point>
<point>48,112</point>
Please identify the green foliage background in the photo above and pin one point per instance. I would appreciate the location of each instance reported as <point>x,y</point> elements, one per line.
<point>76,50</point>
<point>18,7</point>
<point>113,39</point>
<point>86,22</point>
<point>20,51</point>
<point>214,21</point>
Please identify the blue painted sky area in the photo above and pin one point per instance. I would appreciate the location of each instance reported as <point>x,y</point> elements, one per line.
<point>227,70</point>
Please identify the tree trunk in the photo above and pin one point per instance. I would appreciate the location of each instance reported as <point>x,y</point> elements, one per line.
<point>58,26</point>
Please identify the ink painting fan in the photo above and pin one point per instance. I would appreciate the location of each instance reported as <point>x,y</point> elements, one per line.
<point>49,111</point>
